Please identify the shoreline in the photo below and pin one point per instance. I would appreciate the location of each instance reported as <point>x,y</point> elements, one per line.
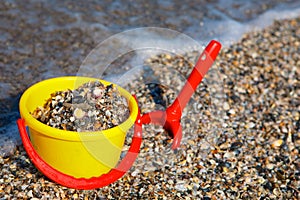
<point>256,152</point>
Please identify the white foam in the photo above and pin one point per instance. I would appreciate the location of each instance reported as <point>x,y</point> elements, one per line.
<point>229,31</point>
<point>9,138</point>
<point>144,42</point>
<point>278,13</point>
<point>5,88</point>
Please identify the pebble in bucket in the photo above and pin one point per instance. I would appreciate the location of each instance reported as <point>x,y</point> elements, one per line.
<point>46,143</point>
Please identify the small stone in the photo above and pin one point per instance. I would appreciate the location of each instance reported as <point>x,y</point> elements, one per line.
<point>142,190</point>
<point>226,106</point>
<point>180,186</point>
<point>13,167</point>
<point>23,187</point>
<point>58,97</point>
<point>270,166</point>
<point>251,125</point>
<point>229,155</point>
<point>72,119</point>
<point>29,175</point>
<point>232,112</point>
<point>78,113</point>
<point>29,193</point>
<point>107,113</point>
<point>98,93</point>
<point>248,180</point>
<point>277,143</point>
<point>225,169</point>
<point>168,56</point>
<point>134,173</point>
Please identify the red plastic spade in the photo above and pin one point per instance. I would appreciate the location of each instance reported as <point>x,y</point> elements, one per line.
<point>170,118</point>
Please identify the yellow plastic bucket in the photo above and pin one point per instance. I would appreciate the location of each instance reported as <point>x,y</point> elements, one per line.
<point>79,154</point>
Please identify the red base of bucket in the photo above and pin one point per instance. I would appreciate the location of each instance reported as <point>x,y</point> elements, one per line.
<point>83,183</point>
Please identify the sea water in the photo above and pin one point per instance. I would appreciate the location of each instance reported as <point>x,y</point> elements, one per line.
<point>223,20</point>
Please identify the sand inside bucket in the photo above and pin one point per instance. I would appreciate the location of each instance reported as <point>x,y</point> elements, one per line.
<point>93,106</point>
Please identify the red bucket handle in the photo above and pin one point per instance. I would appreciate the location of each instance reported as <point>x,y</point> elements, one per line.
<point>84,183</point>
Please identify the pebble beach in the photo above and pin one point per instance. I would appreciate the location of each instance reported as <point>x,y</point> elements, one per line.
<point>241,144</point>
